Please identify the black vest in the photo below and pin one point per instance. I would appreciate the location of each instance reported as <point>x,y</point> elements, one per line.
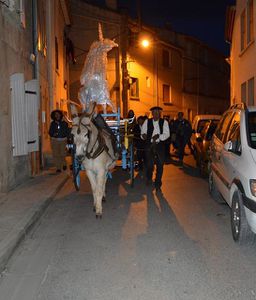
<point>150,129</point>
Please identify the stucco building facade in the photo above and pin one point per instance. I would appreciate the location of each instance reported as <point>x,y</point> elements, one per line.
<point>241,33</point>
<point>32,41</point>
<point>175,71</point>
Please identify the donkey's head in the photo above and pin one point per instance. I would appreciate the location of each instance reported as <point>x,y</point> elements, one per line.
<point>81,129</point>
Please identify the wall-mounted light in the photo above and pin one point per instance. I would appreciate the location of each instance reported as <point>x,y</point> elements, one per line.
<point>145,39</point>
<point>145,43</point>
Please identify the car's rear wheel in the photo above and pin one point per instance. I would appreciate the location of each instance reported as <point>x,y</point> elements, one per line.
<point>213,191</point>
<point>241,230</point>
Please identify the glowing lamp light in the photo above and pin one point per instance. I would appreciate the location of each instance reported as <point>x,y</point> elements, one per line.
<point>145,43</point>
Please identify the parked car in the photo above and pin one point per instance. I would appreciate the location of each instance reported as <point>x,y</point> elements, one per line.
<point>198,124</point>
<point>201,146</point>
<point>232,174</point>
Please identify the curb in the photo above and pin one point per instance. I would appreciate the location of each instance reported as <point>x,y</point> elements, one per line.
<point>17,235</point>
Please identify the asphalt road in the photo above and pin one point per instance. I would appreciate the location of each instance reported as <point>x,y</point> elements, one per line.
<point>176,246</point>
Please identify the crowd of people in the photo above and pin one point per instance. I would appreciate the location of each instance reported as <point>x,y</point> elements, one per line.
<point>156,141</point>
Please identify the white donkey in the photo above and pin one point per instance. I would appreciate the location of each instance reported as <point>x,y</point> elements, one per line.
<point>95,151</point>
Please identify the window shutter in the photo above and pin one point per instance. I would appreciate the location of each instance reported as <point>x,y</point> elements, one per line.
<point>18,112</point>
<point>32,106</point>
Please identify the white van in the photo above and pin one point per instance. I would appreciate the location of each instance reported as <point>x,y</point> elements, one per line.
<point>232,174</point>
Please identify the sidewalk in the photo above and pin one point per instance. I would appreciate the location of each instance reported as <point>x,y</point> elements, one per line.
<point>21,208</point>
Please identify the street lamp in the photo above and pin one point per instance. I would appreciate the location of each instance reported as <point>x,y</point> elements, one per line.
<point>145,43</point>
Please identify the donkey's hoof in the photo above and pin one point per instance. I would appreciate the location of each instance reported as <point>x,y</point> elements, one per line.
<point>98,216</point>
<point>103,199</point>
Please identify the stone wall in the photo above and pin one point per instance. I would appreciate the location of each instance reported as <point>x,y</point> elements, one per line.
<point>15,45</point>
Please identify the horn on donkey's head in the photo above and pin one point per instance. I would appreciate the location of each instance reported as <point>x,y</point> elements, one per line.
<point>100,33</point>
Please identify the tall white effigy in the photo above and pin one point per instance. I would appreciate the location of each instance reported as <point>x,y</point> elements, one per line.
<point>93,77</point>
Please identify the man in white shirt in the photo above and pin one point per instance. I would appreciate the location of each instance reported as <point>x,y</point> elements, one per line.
<point>155,131</point>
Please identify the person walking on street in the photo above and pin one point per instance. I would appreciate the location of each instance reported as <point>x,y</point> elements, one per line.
<point>183,133</point>
<point>58,132</point>
<point>155,131</point>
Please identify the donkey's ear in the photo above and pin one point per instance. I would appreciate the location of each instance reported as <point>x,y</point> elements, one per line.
<point>74,114</point>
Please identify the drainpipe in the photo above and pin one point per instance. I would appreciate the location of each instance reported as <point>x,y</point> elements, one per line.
<point>36,74</point>
<point>125,74</point>
<point>34,38</point>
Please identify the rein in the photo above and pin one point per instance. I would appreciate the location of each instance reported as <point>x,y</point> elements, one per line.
<point>93,153</point>
<point>101,147</point>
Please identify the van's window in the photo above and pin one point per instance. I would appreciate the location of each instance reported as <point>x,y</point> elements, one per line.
<point>205,128</point>
<point>223,126</point>
<point>211,130</point>
<point>252,129</point>
<point>201,125</point>
<point>233,126</point>
<point>236,139</point>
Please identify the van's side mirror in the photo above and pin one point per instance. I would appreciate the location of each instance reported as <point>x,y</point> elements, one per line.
<point>228,146</point>
<point>233,146</point>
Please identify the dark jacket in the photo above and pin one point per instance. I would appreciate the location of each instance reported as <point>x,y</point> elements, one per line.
<point>59,129</point>
<point>139,143</point>
<point>183,129</point>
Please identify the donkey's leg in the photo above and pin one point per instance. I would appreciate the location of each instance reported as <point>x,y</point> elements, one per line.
<point>101,181</point>
<point>92,179</point>
<point>104,188</point>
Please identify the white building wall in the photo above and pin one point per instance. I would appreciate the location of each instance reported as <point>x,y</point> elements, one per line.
<point>243,63</point>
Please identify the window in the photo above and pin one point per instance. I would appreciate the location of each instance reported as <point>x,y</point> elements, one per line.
<point>243,92</point>
<point>166,93</point>
<point>166,61</point>
<point>211,130</point>
<point>222,129</point>
<point>246,25</point>
<point>242,26</point>
<point>249,21</point>
<point>252,129</point>
<point>234,134</point>
<point>134,87</point>
<point>234,124</point>
<point>251,91</point>
<point>204,129</point>
<point>235,138</point>
<point>56,54</point>
<point>201,124</point>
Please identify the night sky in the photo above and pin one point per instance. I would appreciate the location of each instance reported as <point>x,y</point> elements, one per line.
<point>203,19</point>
